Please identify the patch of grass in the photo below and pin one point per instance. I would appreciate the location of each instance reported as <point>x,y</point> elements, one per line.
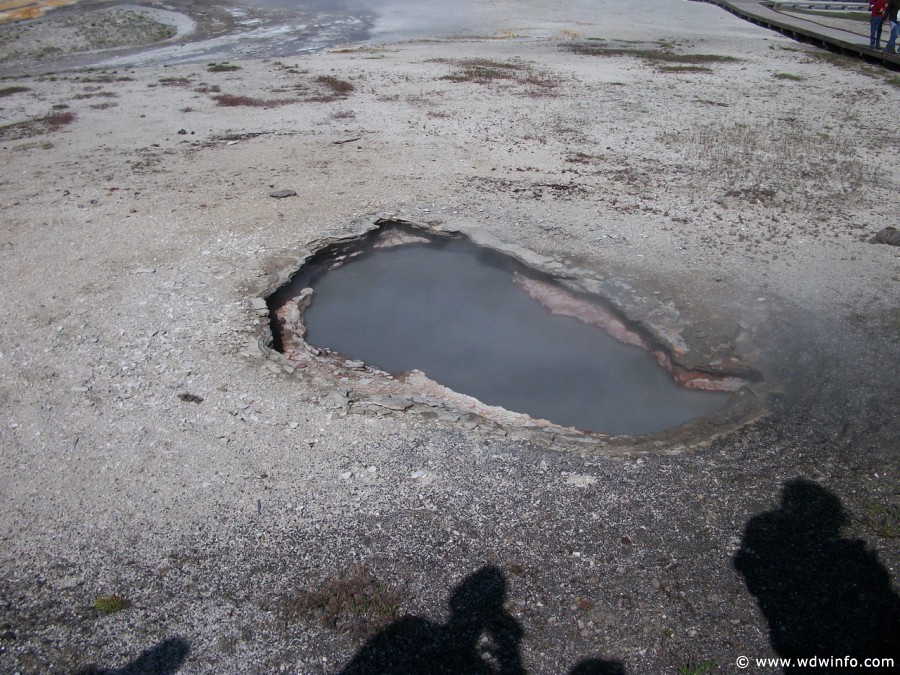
<point>484,70</point>
<point>853,16</point>
<point>105,79</point>
<point>37,126</point>
<point>882,520</point>
<point>661,55</point>
<point>684,69</point>
<point>487,71</point>
<point>33,145</point>
<point>110,604</point>
<point>696,668</point>
<point>96,94</point>
<point>775,162</point>
<point>661,58</point>
<point>336,87</point>
<point>855,65</point>
<point>9,91</point>
<point>355,602</point>
<point>174,81</point>
<point>232,101</point>
<point>58,119</point>
<point>223,67</point>
<point>104,106</point>
<point>789,76</point>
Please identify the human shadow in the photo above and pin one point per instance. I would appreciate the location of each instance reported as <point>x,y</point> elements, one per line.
<point>166,658</point>
<point>598,667</point>
<point>822,595</point>
<point>479,637</point>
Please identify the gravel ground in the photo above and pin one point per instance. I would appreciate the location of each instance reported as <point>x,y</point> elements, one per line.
<point>173,500</point>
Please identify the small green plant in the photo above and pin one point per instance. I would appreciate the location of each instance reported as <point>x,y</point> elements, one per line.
<point>223,67</point>
<point>110,604</point>
<point>696,668</point>
<point>882,520</point>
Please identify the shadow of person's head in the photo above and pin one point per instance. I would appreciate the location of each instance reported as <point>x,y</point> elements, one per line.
<point>479,598</point>
<point>808,508</point>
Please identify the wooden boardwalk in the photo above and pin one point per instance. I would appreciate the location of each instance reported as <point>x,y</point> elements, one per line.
<point>844,41</point>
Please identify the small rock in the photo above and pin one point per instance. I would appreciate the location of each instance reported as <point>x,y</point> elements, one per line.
<point>346,474</point>
<point>889,235</point>
<point>580,481</point>
<point>281,194</point>
<point>418,475</point>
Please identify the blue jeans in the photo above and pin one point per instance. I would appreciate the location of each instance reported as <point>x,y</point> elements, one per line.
<point>875,34</point>
<point>895,31</point>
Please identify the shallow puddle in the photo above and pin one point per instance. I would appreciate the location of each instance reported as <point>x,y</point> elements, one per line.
<point>451,310</point>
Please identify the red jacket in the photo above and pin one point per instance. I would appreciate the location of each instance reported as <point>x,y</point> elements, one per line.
<point>877,7</point>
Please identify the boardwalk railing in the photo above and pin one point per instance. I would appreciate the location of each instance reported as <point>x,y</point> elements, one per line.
<point>826,6</point>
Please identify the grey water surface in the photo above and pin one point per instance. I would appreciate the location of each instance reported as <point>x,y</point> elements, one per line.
<point>452,311</point>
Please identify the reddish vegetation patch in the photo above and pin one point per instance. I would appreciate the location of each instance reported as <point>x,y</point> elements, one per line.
<point>355,603</point>
<point>36,127</point>
<point>58,119</point>
<point>337,86</point>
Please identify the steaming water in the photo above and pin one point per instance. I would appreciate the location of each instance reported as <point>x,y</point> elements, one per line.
<point>452,311</point>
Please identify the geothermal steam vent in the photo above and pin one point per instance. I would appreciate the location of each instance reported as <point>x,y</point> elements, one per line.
<point>400,300</point>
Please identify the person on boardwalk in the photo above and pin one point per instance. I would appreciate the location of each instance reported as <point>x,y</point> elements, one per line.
<point>890,14</point>
<point>876,10</point>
